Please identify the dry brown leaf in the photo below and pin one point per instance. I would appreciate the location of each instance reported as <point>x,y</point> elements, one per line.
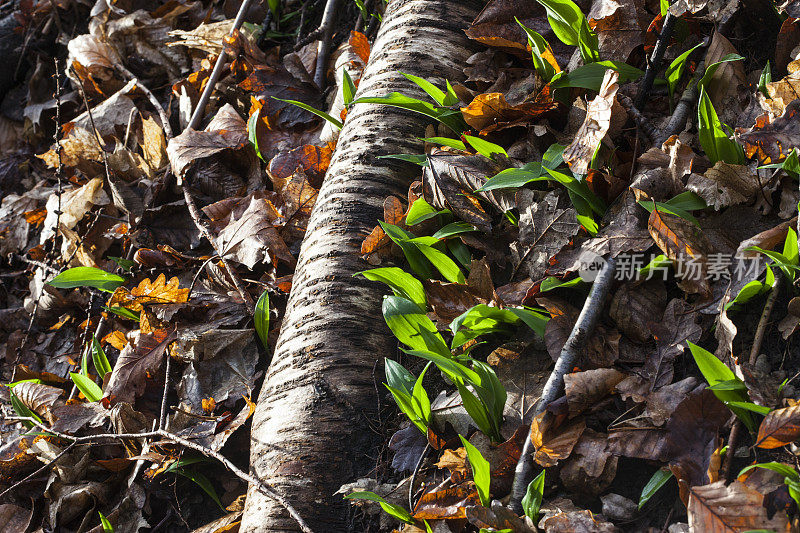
<point>618,25</point>
<point>74,204</point>
<point>578,155</point>
<point>783,92</point>
<point>38,397</point>
<point>139,361</point>
<point>591,467</point>
<point>577,522</point>
<point>449,503</point>
<point>716,508</point>
<point>554,444</point>
<point>585,389</point>
<point>779,428</point>
<point>723,88</point>
<point>490,112</point>
<point>159,291</point>
<point>772,142</point>
<point>686,244</point>
<point>725,184</point>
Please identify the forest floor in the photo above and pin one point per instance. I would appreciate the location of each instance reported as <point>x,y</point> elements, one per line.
<point>625,165</point>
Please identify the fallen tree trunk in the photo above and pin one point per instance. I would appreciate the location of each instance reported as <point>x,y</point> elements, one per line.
<point>310,431</point>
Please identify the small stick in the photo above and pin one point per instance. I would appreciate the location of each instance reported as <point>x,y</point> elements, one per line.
<point>587,320</point>
<point>644,125</point>
<point>328,21</point>
<point>758,340</point>
<point>202,225</point>
<point>417,468</point>
<point>684,107</point>
<point>654,64</point>
<point>197,116</point>
<point>263,486</point>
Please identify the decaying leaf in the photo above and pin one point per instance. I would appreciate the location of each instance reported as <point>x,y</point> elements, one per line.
<point>491,112</point>
<point>139,361</point>
<point>553,444</point>
<point>159,291</point>
<point>779,428</point>
<point>578,155</point>
<point>725,185</point>
<point>773,141</point>
<point>737,507</point>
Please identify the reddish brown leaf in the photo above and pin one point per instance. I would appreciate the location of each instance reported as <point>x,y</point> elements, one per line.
<point>446,504</point>
<point>360,45</point>
<point>585,389</point>
<point>716,508</point>
<point>779,428</point>
<point>490,112</point>
<point>684,243</point>
<point>137,362</point>
<point>553,444</point>
<point>772,142</point>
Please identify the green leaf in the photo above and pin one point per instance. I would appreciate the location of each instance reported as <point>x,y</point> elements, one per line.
<point>553,156</point>
<point>485,148</point>
<point>252,134</point>
<point>764,79</point>
<point>713,139</point>
<point>676,69</point>
<point>446,141</point>
<point>782,469</point>
<point>790,247</point>
<point>22,410</point>
<point>580,189</point>
<point>85,362</point>
<point>417,159</point>
<point>407,406</point>
<point>532,501</point>
<point>88,387</point>
<point>408,322</point>
<point>124,313</point>
<point>87,277</point>
<point>454,228</point>
<point>390,508</point>
<point>321,114</point>
<point>107,527</point>
<point>788,267</point>
<point>712,69</point>
<point>570,26</point>
<point>123,263</point>
<point>491,393</point>
<point>715,371</point>
<point>666,207</point>
<point>664,5</point>
<point>534,319</point>
<point>398,377</point>
<point>539,47</point>
<point>438,95</point>
<point>261,318</point>
<point>591,76</point>
<point>446,266</point>
<point>99,359</point>
<point>422,404</point>
<point>512,178</point>
<point>202,481</point>
<point>460,252</point>
<point>449,117</point>
<point>348,87</point>
<point>416,259</point>
<point>733,384</point>
<point>480,471</point>
<point>421,211</point>
<point>401,282</point>
<point>749,406</point>
<point>658,480</point>
<point>688,201</point>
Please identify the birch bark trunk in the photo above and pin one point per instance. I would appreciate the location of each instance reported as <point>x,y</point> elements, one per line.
<point>311,429</point>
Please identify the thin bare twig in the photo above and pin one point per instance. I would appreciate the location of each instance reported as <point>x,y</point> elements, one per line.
<point>197,116</point>
<point>417,468</point>
<point>682,110</point>
<point>328,21</point>
<point>584,326</point>
<point>654,62</point>
<point>641,121</point>
<point>263,486</point>
<point>755,349</point>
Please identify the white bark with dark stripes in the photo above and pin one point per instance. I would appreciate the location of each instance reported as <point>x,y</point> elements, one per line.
<point>311,431</point>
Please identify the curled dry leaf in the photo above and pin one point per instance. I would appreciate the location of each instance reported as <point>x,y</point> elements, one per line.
<point>38,397</point>
<point>75,204</point>
<point>226,131</point>
<point>578,155</point>
<point>783,92</point>
<point>138,362</point>
<point>685,243</point>
<point>554,444</point>
<point>491,112</point>
<point>716,508</point>
<point>773,141</point>
<point>725,184</point>
<point>634,306</point>
<point>591,467</point>
<point>779,428</point>
<point>448,503</point>
<point>585,389</point>
<point>577,522</point>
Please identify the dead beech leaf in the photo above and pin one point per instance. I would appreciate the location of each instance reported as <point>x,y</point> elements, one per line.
<point>38,397</point>
<point>772,142</point>
<point>498,518</point>
<point>779,428</point>
<point>447,504</point>
<point>685,243</point>
<point>226,131</point>
<point>449,182</point>
<point>154,144</point>
<point>554,444</point>
<point>601,350</point>
<point>75,203</point>
<point>591,467</point>
<point>723,88</point>
<point>490,112</point>
<point>159,291</point>
<point>311,159</point>
<point>577,522</point>
<point>578,155</point>
<point>360,45</point>
<point>618,25</point>
<point>783,92</point>
<point>716,508</point>
<point>678,325</point>
<point>454,460</point>
<point>140,360</point>
<point>725,184</point>
<point>268,81</point>
<point>250,238</point>
<point>544,229</point>
<point>634,306</point>
<point>585,389</point>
